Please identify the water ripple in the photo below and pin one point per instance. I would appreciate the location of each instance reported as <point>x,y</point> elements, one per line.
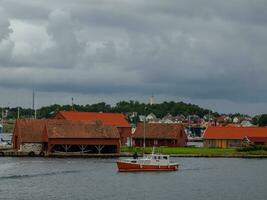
<point>38,175</point>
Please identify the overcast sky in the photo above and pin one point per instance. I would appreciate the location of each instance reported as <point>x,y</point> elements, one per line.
<point>208,52</point>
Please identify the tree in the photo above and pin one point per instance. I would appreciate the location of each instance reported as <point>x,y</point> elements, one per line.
<point>263,120</point>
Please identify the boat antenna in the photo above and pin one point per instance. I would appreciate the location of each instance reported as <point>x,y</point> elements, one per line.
<point>72,104</point>
<point>18,112</point>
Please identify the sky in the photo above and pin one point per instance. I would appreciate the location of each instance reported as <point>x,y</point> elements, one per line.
<point>208,52</point>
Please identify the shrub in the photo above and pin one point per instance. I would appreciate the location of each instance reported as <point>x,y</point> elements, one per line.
<point>252,148</point>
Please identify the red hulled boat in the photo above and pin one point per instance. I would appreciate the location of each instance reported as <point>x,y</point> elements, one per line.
<point>153,162</point>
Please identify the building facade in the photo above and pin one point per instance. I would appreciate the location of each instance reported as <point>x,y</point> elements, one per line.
<point>231,137</point>
<point>159,134</point>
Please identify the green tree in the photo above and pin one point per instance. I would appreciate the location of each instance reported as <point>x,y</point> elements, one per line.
<point>263,120</point>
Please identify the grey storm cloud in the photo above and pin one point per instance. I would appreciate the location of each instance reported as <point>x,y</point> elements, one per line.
<point>207,50</point>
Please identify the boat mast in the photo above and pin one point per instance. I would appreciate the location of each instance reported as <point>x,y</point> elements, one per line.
<point>33,104</point>
<point>144,145</point>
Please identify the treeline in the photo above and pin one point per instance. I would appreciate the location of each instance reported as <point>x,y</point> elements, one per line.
<point>126,107</point>
<point>260,120</point>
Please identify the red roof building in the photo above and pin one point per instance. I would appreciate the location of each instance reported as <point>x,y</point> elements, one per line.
<point>159,134</point>
<point>255,140</point>
<point>225,137</point>
<point>65,136</point>
<point>117,120</point>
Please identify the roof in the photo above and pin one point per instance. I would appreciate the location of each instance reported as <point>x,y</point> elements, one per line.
<point>37,131</point>
<point>80,129</point>
<point>29,130</point>
<point>257,139</point>
<point>113,119</point>
<point>214,132</point>
<point>158,131</point>
<point>232,125</point>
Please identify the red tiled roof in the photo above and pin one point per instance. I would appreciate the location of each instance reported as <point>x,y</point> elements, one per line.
<point>80,129</point>
<point>232,125</point>
<point>113,119</point>
<point>158,130</point>
<point>214,132</point>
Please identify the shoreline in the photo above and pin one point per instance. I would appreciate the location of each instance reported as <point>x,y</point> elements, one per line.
<point>207,156</point>
<point>128,154</point>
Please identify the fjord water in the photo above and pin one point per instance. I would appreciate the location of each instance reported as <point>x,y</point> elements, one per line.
<point>198,178</point>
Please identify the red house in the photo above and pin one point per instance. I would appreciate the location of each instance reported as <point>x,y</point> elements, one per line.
<point>117,120</point>
<point>159,134</point>
<point>227,137</point>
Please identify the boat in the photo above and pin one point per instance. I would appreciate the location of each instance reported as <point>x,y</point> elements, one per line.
<point>151,162</point>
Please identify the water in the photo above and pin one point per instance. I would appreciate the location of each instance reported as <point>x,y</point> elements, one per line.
<point>198,178</point>
<point>5,136</point>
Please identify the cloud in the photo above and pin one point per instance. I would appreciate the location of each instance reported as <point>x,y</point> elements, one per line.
<point>204,50</point>
<point>6,46</point>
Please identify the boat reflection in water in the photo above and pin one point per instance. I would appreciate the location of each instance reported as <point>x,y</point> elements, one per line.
<point>152,162</point>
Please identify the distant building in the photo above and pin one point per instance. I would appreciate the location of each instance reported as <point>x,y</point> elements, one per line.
<point>227,137</point>
<point>159,134</point>
<point>235,120</point>
<point>152,100</point>
<point>142,118</point>
<point>151,117</point>
<point>246,123</point>
<point>117,120</point>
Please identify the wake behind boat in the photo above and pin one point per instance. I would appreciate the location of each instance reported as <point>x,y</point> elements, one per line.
<point>152,162</point>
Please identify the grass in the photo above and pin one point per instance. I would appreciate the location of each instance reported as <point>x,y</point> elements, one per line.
<point>199,151</point>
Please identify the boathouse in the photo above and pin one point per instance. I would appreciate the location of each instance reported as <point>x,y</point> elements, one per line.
<point>229,137</point>
<point>117,120</point>
<point>80,136</point>
<point>159,134</point>
<point>27,135</point>
<point>53,136</point>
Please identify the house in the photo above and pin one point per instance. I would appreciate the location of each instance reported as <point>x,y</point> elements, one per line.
<point>232,125</point>
<point>227,137</point>
<point>167,119</point>
<point>159,134</point>
<point>151,117</point>
<point>142,118</point>
<point>117,120</point>
<point>236,120</point>
<point>246,123</point>
<point>39,136</point>
<point>255,141</point>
